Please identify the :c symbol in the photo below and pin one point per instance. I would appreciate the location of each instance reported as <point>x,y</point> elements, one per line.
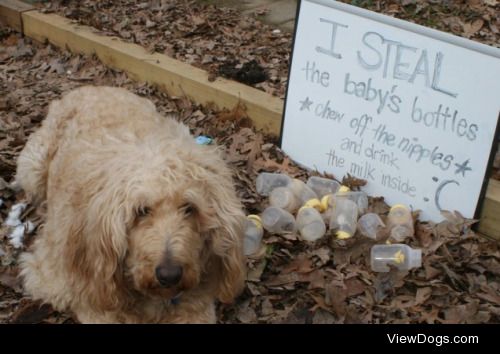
<point>440,189</point>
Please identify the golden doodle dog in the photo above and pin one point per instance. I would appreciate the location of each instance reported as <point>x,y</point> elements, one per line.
<point>143,225</point>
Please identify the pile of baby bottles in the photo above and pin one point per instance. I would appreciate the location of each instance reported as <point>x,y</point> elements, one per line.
<point>310,208</point>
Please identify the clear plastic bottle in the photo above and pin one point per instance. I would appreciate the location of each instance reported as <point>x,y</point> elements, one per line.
<point>344,218</point>
<point>401,256</point>
<point>277,221</point>
<point>284,198</point>
<point>327,206</point>
<point>266,182</point>
<point>358,197</point>
<point>361,199</point>
<point>369,224</point>
<point>253,235</point>
<point>309,221</point>
<point>302,191</point>
<point>400,222</point>
<point>322,186</point>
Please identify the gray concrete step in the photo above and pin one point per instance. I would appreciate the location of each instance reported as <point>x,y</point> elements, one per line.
<point>279,13</point>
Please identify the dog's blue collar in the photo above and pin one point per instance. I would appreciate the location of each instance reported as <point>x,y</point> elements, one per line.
<point>204,140</point>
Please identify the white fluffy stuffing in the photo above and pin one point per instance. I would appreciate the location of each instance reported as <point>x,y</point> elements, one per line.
<point>16,236</point>
<point>19,228</point>
<point>14,214</point>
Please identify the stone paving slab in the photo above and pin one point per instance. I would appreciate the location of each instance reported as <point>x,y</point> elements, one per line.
<point>280,13</point>
<point>277,12</point>
<point>240,4</point>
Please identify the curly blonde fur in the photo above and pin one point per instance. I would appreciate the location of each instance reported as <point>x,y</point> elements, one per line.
<point>128,191</point>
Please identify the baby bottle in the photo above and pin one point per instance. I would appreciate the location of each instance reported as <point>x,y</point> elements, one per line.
<point>277,221</point>
<point>266,182</point>
<point>322,186</point>
<point>284,198</point>
<point>369,224</point>
<point>344,218</point>
<point>309,221</point>
<point>401,256</point>
<point>400,222</point>
<point>302,191</point>
<point>358,197</point>
<point>253,234</point>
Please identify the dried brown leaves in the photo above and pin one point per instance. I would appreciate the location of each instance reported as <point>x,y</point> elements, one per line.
<point>290,281</point>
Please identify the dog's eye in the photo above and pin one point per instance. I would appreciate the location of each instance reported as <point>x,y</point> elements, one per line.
<point>188,209</point>
<point>143,211</point>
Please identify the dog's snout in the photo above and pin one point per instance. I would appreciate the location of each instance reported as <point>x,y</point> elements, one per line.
<point>168,274</point>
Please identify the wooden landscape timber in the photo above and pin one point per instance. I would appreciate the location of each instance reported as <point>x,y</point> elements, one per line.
<point>489,224</point>
<point>175,77</point>
<point>10,13</point>
<point>178,78</point>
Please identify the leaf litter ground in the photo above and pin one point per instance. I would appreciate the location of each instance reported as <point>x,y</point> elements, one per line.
<point>289,281</point>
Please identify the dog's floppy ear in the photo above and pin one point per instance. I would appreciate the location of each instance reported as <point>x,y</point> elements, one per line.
<point>96,247</point>
<point>227,243</point>
<point>226,224</point>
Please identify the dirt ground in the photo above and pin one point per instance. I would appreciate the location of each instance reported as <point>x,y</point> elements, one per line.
<point>291,281</point>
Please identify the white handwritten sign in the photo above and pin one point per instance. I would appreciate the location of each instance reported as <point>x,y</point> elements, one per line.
<point>411,110</point>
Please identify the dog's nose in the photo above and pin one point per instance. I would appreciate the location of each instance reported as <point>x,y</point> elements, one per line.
<point>168,274</point>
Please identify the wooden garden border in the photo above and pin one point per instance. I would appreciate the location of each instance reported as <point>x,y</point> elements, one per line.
<point>10,13</point>
<point>175,77</point>
<point>178,78</point>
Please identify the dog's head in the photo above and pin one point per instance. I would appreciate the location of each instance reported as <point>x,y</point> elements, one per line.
<point>160,221</point>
